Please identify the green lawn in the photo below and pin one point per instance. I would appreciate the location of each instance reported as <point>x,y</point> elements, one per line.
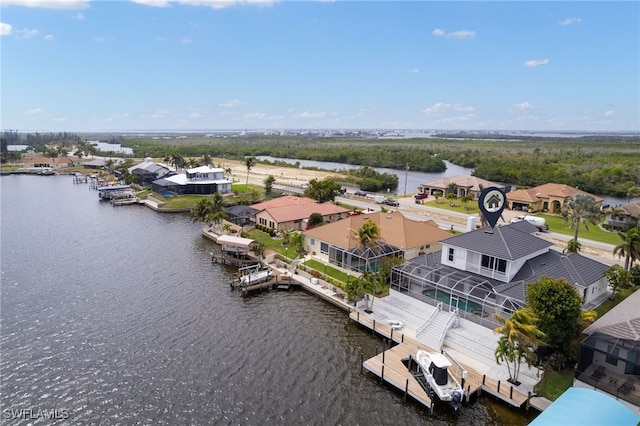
<point>554,383</point>
<point>330,271</point>
<point>594,233</point>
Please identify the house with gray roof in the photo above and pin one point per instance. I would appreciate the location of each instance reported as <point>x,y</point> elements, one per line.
<point>203,180</point>
<point>487,271</point>
<point>609,358</point>
<point>148,171</point>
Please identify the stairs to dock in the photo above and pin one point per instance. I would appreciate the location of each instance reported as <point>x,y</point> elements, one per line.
<point>433,333</point>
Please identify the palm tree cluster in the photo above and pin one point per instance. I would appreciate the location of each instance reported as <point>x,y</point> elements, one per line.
<point>208,210</point>
<point>519,338</point>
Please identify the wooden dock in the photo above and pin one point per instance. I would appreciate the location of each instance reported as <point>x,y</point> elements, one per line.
<point>234,261</point>
<point>390,367</point>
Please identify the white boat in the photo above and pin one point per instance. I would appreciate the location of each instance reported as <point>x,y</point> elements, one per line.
<point>441,381</point>
<point>256,277</point>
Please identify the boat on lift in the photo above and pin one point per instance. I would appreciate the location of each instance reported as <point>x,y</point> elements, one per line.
<point>435,367</point>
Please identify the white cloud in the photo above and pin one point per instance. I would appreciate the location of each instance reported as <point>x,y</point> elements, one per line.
<point>231,103</point>
<point>414,71</point>
<point>214,4</point>
<point>570,21</point>
<point>255,115</point>
<point>153,3</point>
<point>26,34</point>
<point>195,115</point>
<point>35,111</point>
<point>443,108</point>
<point>535,62</point>
<point>48,4</point>
<point>524,106</point>
<point>308,114</point>
<point>609,113</point>
<point>462,34</point>
<point>5,29</point>
<point>455,34</point>
<point>48,37</point>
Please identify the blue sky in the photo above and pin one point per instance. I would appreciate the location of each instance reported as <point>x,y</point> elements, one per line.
<point>207,65</point>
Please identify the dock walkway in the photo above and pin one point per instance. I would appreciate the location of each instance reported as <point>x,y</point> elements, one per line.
<point>390,368</point>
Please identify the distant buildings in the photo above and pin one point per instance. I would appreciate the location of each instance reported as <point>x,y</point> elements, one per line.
<point>459,185</point>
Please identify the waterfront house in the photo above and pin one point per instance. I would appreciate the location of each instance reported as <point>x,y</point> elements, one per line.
<point>203,180</point>
<point>41,162</point>
<point>289,212</point>
<point>401,237</point>
<point>459,185</point>
<point>623,217</point>
<point>545,198</point>
<point>487,271</point>
<point>148,171</point>
<point>610,354</point>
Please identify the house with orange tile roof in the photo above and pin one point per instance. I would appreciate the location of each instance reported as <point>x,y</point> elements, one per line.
<point>289,212</point>
<point>460,185</point>
<point>545,198</point>
<point>401,237</point>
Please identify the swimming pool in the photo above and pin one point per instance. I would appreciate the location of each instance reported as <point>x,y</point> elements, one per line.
<point>463,304</point>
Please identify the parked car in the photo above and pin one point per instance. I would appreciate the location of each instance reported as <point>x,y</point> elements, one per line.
<point>360,193</point>
<point>354,213</point>
<point>391,202</point>
<point>421,196</point>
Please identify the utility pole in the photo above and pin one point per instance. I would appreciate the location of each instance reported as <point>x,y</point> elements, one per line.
<point>406,175</point>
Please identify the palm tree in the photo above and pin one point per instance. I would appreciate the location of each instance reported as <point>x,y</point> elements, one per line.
<point>520,336</point>
<point>370,283</point>
<point>368,238</point>
<point>249,162</point>
<point>580,209</point>
<point>629,247</point>
<point>201,212</point>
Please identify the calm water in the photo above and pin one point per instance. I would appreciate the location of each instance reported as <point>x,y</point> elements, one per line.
<point>118,316</point>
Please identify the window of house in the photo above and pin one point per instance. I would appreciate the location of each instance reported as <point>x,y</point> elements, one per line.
<point>494,263</point>
<point>612,355</point>
<point>312,242</point>
<point>450,255</point>
<point>324,248</point>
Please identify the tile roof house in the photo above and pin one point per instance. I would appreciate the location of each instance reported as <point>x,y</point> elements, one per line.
<point>460,185</point>
<point>487,271</point>
<point>546,198</point>
<point>292,213</point>
<point>624,216</point>
<point>610,354</point>
<point>203,180</point>
<point>399,237</point>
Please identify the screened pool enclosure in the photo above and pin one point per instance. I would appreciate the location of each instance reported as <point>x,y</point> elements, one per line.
<point>362,259</point>
<point>477,298</point>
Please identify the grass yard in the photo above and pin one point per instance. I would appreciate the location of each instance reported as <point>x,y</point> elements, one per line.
<point>594,233</point>
<point>554,383</point>
<point>330,271</point>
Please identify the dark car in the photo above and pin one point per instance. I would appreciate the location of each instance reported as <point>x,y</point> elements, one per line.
<point>420,196</point>
<point>391,202</point>
<point>360,193</point>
